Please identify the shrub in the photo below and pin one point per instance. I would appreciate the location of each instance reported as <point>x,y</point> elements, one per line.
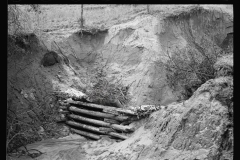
<point>107,91</point>
<point>187,69</point>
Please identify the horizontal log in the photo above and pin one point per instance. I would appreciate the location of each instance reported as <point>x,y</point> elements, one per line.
<point>84,126</point>
<point>98,114</point>
<point>93,121</point>
<point>112,121</point>
<point>117,135</point>
<point>106,129</point>
<point>113,134</point>
<point>111,111</point>
<point>120,110</point>
<point>86,134</point>
<point>91,135</point>
<point>122,128</point>
<point>102,123</point>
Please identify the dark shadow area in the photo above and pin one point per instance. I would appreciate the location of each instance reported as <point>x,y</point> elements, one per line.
<point>31,105</point>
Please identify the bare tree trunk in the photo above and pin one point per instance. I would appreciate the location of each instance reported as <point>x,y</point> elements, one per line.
<point>148,9</point>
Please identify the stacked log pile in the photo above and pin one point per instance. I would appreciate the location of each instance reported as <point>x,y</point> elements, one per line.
<point>94,120</point>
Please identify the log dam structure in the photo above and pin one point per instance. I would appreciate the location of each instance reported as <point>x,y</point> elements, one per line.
<point>95,121</point>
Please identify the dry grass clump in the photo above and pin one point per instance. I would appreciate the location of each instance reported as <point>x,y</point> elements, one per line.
<point>189,69</point>
<point>187,74</point>
<point>107,92</point>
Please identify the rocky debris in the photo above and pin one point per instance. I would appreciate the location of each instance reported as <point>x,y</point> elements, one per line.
<point>50,58</point>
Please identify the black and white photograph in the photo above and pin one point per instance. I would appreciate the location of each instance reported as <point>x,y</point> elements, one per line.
<point>119,82</point>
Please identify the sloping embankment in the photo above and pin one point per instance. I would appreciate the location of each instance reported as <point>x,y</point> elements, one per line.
<point>197,128</point>
<point>131,51</point>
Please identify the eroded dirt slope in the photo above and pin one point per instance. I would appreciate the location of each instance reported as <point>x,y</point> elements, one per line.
<point>131,48</point>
